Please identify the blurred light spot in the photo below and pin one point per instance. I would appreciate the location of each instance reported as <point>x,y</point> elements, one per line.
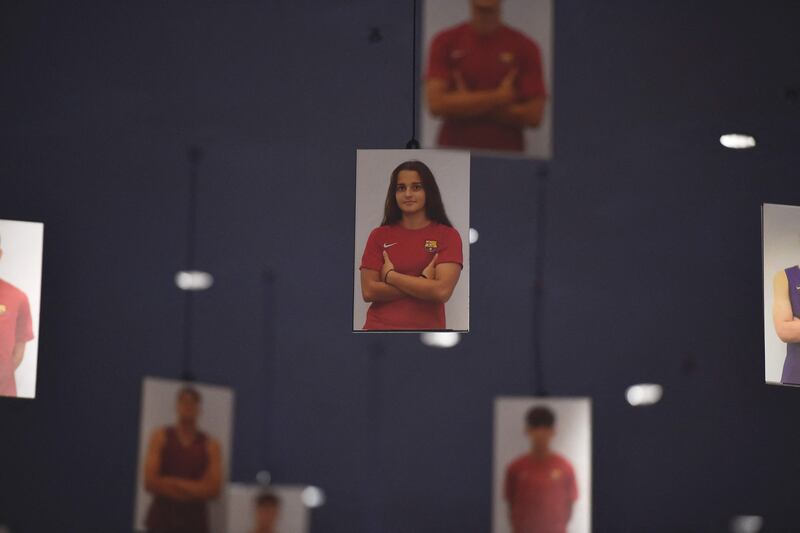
<point>644,394</point>
<point>263,477</point>
<point>737,141</point>
<point>193,280</point>
<point>4,529</point>
<point>312,497</point>
<point>746,524</point>
<point>440,339</point>
<point>473,235</point>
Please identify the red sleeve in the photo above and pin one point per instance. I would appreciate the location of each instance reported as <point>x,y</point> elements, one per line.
<point>24,322</point>
<point>450,248</point>
<point>531,73</point>
<point>438,66</point>
<point>508,484</point>
<point>373,252</point>
<point>571,484</point>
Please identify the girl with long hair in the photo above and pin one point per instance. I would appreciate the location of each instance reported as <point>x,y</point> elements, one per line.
<point>413,260</point>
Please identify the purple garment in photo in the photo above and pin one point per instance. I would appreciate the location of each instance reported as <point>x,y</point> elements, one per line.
<point>791,365</point>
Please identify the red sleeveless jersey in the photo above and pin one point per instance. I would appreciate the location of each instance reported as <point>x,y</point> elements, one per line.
<point>187,462</point>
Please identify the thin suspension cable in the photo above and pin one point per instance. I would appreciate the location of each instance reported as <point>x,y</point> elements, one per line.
<point>413,143</point>
<point>195,154</point>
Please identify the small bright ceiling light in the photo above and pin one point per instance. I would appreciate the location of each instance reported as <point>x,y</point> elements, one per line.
<point>193,280</point>
<point>746,524</point>
<point>644,394</point>
<point>312,497</point>
<point>440,339</point>
<point>473,235</point>
<point>737,141</point>
<point>263,477</point>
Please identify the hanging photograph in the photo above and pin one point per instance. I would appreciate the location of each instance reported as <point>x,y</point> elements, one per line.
<point>20,297</point>
<point>781,256</point>
<point>184,456</point>
<point>487,74</point>
<point>542,465</point>
<point>411,241</point>
<point>274,509</point>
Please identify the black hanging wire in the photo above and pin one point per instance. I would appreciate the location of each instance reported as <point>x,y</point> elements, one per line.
<point>413,143</point>
<point>195,155</point>
<point>538,288</point>
<point>270,364</point>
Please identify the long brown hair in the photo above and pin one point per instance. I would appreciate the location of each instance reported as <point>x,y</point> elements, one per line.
<point>434,208</point>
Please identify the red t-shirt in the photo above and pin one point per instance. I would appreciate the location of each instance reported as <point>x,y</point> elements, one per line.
<point>410,252</point>
<point>483,61</point>
<point>15,326</point>
<point>540,493</point>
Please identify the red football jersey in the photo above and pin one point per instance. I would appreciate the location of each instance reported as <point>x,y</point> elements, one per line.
<point>410,251</point>
<point>540,493</point>
<point>16,326</point>
<point>483,60</point>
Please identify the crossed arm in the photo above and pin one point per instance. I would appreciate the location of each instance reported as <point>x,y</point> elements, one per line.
<point>437,285</point>
<point>499,104</point>
<point>17,354</point>
<point>787,326</point>
<point>186,490</point>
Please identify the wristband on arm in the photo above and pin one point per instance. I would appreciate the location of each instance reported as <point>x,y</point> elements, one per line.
<point>385,276</point>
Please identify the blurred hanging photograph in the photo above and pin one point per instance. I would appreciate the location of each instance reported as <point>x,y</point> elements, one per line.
<point>20,296</point>
<point>542,465</point>
<point>781,279</point>
<point>411,251</point>
<point>271,509</point>
<point>486,79</point>
<point>184,456</point>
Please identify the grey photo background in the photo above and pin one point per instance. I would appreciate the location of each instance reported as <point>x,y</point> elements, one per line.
<point>573,440</point>
<point>216,419</point>
<point>781,228</point>
<point>21,265</point>
<point>294,517</point>
<point>533,18</point>
<point>452,170</point>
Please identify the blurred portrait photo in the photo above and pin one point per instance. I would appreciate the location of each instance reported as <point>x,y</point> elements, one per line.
<point>781,256</point>
<point>184,450</point>
<point>485,78</point>
<point>542,465</point>
<point>274,509</point>
<point>411,241</point>
<point>20,296</point>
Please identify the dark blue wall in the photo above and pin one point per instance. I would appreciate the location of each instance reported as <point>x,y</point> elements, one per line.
<point>653,272</point>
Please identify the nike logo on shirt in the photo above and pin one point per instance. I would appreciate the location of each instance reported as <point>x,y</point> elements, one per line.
<point>389,245</point>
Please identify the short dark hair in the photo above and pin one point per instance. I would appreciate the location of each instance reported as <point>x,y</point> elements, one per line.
<point>268,498</point>
<point>191,391</point>
<point>540,416</point>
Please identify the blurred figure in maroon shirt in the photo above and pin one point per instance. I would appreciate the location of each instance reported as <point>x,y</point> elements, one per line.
<point>485,81</point>
<point>540,486</point>
<point>183,471</point>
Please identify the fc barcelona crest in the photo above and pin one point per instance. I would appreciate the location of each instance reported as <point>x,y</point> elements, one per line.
<point>431,246</point>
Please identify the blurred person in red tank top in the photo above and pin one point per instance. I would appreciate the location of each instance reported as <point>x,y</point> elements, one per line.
<point>540,486</point>
<point>485,81</point>
<point>183,471</point>
<point>412,261</point>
